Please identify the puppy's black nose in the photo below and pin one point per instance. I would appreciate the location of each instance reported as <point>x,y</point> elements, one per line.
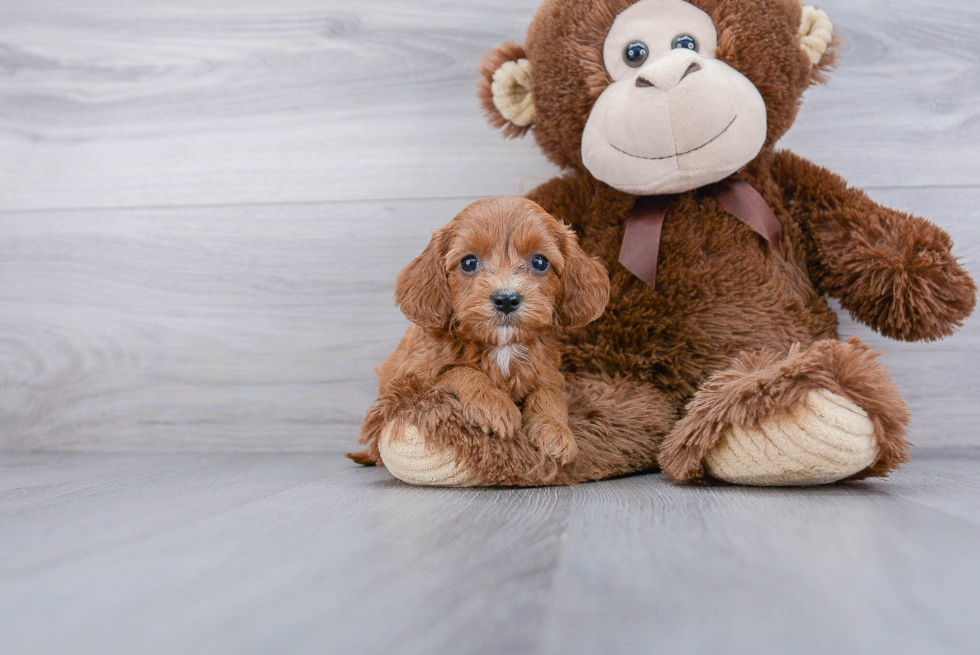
<point>506,300</point>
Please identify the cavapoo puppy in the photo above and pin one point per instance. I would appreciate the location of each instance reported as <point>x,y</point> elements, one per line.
<point>487,299</point>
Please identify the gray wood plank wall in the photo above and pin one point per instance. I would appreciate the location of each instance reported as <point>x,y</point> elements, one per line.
<point>203,205</point>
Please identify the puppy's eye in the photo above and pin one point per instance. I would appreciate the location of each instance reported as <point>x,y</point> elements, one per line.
<point>685,42</point>
<point>539,263</point>
<point>469,264</point>
<point>635,54</point>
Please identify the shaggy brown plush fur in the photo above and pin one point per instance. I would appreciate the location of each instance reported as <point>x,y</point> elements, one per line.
<point>763,383</point>
<point>489,65</point>
<point>734,331</point>
<point>892,271</point>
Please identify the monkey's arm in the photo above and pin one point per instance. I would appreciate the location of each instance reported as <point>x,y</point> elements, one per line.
<point>892,271</point>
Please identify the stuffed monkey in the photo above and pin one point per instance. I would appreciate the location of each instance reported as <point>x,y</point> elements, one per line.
<point>718,356</point>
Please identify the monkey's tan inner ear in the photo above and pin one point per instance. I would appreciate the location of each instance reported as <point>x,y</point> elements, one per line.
<point>816,33</point>
<point>511,90</point>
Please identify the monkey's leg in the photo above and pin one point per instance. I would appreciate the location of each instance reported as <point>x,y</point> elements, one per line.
<point>429,442</point>
<point>816,416</point>
<point>617,425</point>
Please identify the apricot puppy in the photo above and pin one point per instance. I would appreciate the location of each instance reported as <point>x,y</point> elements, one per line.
<point>487,299</point>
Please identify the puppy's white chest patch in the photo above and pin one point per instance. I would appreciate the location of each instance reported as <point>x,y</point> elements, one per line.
<point>504,356</point>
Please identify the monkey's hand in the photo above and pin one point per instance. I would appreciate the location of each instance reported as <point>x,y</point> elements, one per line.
<point>892,271</point>
<point>904,282</point>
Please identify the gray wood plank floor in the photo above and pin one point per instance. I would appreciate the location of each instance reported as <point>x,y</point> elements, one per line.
<point>305,553</point>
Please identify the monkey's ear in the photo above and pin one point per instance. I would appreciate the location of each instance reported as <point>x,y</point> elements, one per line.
<point>504,89</point>
<point>422,289</point>
<point>584,281</point>
<point>817,41</point>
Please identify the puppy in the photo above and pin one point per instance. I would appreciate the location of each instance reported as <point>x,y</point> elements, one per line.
<point>487,299</point>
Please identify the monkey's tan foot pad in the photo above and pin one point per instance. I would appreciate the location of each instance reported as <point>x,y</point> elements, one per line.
<point>824,439</point>
<point>404,452</point>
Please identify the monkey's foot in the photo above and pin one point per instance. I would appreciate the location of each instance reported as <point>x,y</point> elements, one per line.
<point>824,439</point>
<point>408,458</point>
<point>807,417</point>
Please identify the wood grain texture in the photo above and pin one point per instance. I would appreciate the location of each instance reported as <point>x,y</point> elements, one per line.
<point>765,571</point>
<point>251,327</point>
<point>117,103</point>
<point>133,104</point>
<point>289,553</point>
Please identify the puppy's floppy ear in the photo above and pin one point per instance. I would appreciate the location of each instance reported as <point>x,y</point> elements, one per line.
<point>585,284</point>
<point>422,289</point>
<point>504,89</point>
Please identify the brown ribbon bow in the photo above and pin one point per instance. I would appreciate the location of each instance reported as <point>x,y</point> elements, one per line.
<point>641,241</point>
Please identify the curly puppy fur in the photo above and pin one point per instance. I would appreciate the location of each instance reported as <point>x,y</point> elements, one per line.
<point>499,369</point>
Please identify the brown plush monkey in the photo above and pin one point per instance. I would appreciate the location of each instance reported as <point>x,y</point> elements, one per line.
<point>718,356</point>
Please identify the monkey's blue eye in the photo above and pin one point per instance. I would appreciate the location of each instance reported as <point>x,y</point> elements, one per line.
<point>539,263</point>
<point>469,263</point>
<point>635,54</point>
<point>686,42</point>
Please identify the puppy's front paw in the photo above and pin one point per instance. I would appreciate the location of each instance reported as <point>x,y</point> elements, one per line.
<point>495,414</point>
<point>554,439</point>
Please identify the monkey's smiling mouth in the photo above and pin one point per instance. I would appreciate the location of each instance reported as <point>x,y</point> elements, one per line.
<point>686,152</point>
